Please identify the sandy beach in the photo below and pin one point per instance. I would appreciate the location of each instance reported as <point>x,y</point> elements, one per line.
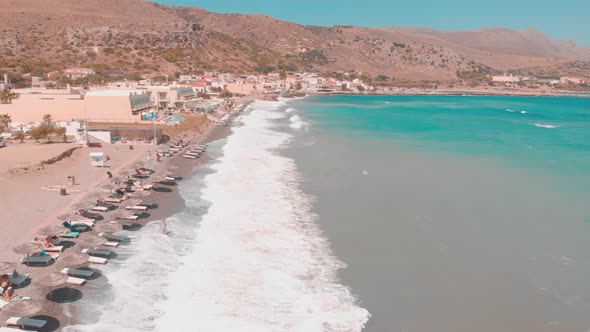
<point>32,201</point>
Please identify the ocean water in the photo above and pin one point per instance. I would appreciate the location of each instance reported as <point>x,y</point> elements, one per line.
<point>350,213</point>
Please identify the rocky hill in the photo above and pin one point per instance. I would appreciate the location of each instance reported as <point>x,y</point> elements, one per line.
<point>136,37</point>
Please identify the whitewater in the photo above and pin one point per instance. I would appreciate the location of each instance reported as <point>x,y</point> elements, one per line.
<point>259,262</point>
<point>245,255</point>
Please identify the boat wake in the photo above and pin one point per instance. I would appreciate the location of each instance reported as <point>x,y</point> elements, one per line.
<point>548,126</point>
<point>259,262</point>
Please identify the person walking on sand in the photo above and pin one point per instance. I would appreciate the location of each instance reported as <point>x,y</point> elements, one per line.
<point>164,225</point>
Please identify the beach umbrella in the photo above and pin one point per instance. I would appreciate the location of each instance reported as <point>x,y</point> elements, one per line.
<point>51,230</point>
<point>109,228</point>
<point>74,259</point>
<point>22,308</point>
<point>27,249</point>
<point>92,241</point>
<point>51,279</point>
<point>7,267</point>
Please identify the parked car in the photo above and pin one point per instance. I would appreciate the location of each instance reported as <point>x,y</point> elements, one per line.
<point>2,144</point>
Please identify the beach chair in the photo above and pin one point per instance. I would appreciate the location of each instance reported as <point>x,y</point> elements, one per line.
<point>36,324</point>
<point>136,207</point>
<point>37,259</point>
<point>98,252</point>
<point>54,249</point>
<point>69,235</point>
<point>125,224</point>
<point>112,200</point>
<point>97,260</point>
<point>100,208</point>
<point>150,205</point>
<point>131,217</point>
<point>116,238</point>
<point>77,227</point>
<point>19,280</point>
<point>78,273</point>
<point>188,156</point>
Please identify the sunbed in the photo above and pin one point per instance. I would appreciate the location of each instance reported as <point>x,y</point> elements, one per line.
<point>100,208</point>
<point>112,200</point>
<point>112,237</point>
<point>85,223</point>
<point>54,249</point>
<point>78,273</point>
<point>69,235</point>
<point>37,259</point>
<point>136,207</point>
<point>188,156</point>
<point>132,217</point>
<point>98,252</point>
<point>125,224</point>
<point>97,260</point>
<point>19,280</point>
<point>28,322</point>
<point>147,204</point>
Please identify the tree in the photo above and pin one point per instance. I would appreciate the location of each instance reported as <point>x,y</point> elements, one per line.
<point>226,94</point>
<point>5,120</point>
<point>203,95</point>
<point>35,134</point>
<point>47,119</point>
<point>19,135</point>
<point>61,131</point>
<point>298,85</point>
<point>7,95</point>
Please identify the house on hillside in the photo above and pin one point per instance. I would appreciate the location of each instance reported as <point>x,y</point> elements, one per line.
<point>78,72</point>
<point>572,80</point>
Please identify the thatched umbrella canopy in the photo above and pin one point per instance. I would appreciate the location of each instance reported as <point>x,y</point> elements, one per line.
<point>22,308</point>
<point>27,249</point>
<point>51,230</point>
<point>7,267</point>
<point>74,259</point>
<point>109,228</point>
<point>92,241</point>
<point>51,279</point>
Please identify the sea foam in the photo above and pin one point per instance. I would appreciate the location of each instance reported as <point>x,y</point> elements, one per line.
<point>548,126</point>
<point>259,262</point>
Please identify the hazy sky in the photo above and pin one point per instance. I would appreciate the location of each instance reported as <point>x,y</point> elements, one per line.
<point>560,19</point>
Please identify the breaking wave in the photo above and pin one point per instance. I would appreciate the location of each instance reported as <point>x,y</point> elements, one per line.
<point>548,126</point>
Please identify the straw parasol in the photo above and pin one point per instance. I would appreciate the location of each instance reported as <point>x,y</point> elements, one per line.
<point>27,249</point>
<point>109,228</point>
<point>22,308</point>
<point>92,241</point>
<point>74,259</point>
<point>51,279</point>
<point>7,267</point>
<point>51,230</point>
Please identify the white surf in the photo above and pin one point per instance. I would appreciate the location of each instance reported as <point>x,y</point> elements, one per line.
<point>260,261</point>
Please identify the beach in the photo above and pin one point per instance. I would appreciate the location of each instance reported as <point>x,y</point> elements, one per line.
<point>32,176</point>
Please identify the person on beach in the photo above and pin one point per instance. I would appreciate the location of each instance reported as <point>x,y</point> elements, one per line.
<point>110,175</point>
<point>6,291</point>
<point>164,225</point>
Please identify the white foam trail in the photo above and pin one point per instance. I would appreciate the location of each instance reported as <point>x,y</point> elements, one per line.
<point>260,262</point>
<point>511,111</point>
<point>290,110</point>
<point>298,123</point>
<point>549,126</point>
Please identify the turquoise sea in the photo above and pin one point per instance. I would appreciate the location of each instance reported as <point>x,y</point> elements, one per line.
<point>453,213</point>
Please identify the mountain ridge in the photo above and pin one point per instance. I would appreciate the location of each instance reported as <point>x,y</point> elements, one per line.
<point>138,37</point>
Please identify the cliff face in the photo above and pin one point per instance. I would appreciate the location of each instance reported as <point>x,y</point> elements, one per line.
<point>143,37</point>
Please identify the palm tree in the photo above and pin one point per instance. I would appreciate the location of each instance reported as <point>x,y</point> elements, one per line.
<point>47,119</point>
<point>5,120</point>
<point>6,96</point>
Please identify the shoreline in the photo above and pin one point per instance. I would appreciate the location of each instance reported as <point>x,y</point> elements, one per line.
<point>454,93</point>
<point>64,313</point>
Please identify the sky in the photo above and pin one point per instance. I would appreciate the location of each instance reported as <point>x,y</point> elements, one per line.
<point>560,19</point>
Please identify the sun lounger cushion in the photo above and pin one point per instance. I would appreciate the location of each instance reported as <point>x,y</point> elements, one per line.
<point>112,237</point>
<point>35,259</point>
<point>97,252</point>
<point>82,223</point>
<point>75,281</point>
<point>54,249</point>
<point>78,272</point>
<point>136,207</point>
<point>100,208</point>
<point>19,280</point>
<point>97,260</point>
<point>111,244</point>
<point>70,235</point>
<point>28,322</point>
